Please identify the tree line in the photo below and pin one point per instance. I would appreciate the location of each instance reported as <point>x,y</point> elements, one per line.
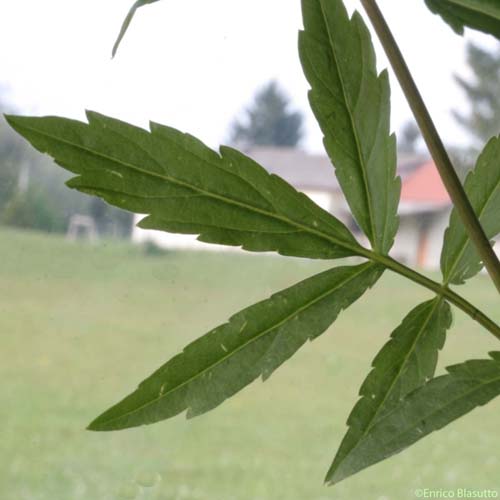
<point>33,195</point>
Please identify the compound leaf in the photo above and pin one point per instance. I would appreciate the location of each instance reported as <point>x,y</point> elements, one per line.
<point>255,342</point>
<point>482,15</point>
<point>128,20</point>
<point>459,257</point>
<point>186,187</point>
<point>351,103</point>
<point>405,363</point>
<point>429,408</point>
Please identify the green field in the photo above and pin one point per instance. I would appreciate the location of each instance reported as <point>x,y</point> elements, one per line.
<point>81,325</point>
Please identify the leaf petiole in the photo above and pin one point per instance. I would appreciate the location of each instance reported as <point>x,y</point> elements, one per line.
<point>439,289</point>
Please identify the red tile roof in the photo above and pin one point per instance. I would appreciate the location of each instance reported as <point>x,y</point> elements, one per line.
<point>424,185</point>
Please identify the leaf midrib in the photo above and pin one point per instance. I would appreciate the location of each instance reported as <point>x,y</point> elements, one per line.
<point>478,387</point>
<point>437,302</point>
<point>243,346</point>
<point>92,190</point>
<point>372,421</point>
<point>481,385</point>
<point>353,127</point>
<point>358,250</point>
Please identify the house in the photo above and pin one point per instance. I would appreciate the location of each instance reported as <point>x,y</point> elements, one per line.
<point>424,208</point>
<point>424,213</point>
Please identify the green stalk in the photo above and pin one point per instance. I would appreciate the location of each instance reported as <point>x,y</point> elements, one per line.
<point>434,143</point>
<point>444,291</point>
<point>439,289</point>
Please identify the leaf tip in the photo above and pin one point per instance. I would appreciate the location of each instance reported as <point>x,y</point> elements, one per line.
<point>333,476</point>
<point>104,422</point>
<point>94,116</point>
<point>10,119</point>
<point>95,425</point>
<point>16,122</point>
<point>126,23</point>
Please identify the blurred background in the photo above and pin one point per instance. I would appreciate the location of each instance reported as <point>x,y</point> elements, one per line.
<point>91,305</point>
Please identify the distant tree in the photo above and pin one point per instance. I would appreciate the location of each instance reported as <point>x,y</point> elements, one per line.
<point>12,153</point>
<point>33,195</point>
<point>482,90</point>
<point>268,121</point>
<point>409,137</point>
<point>110,220</point>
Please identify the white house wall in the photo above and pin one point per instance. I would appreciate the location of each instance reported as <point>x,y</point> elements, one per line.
<point>405,247</point>
<point>173,241</point>
<point>435,236</point>
<point>408,239</point>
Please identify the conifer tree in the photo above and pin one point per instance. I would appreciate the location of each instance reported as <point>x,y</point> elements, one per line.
<point>268,121</point>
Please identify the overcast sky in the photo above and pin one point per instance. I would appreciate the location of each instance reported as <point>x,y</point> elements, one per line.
<point>193,64</point>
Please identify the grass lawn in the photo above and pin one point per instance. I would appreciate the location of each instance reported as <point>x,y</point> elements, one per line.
<point>81,325</point>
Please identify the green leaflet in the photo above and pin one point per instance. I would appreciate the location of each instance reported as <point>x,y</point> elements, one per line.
<point>351,104</point>
<point>482,15</point>
<point>405,363</point>
<point>459,258</point>
<point>253,343</point>
<point>188,188</point>
<point>128,20</point>
<point>429,408</point>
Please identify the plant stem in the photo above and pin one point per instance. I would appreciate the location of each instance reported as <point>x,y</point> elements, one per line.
<point>434,143</point>
<point>434,286</point>
<point>444,291</point>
